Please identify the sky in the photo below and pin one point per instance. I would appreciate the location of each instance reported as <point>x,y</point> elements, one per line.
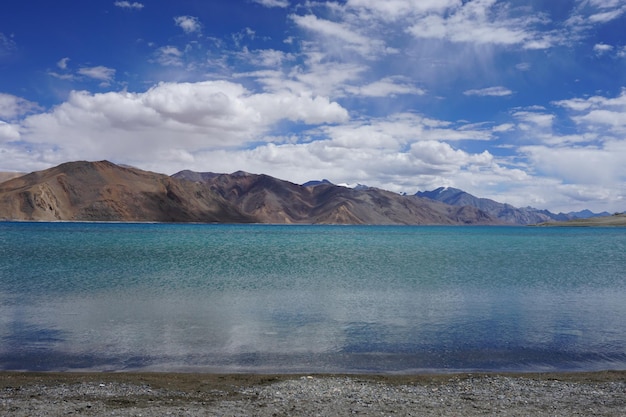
<point>523,102</point>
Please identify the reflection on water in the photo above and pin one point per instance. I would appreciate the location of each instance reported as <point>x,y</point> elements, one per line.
<point>339,331</point>
<point>312,299</point>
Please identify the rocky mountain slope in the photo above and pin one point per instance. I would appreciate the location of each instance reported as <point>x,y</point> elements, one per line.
<point>103,191</point>
<point>276,201</point>
<point>504,212</point>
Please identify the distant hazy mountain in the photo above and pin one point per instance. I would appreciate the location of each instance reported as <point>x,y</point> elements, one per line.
<point>5,176</point>
<point>195,176</point>
<point>610,220</point>
<point>313,183</point>
<point>502,211</point>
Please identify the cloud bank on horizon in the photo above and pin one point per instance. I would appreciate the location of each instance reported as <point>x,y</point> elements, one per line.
<point>523,102</point>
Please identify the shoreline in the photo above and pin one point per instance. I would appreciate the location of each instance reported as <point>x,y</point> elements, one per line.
<point>198,394</point>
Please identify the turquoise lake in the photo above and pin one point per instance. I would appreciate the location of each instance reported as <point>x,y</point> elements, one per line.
<point>269,298</point>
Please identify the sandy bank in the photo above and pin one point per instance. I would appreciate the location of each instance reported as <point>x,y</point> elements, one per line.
<point>154,394</point>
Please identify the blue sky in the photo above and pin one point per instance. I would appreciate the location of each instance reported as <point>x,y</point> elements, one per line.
<point>520,101</point>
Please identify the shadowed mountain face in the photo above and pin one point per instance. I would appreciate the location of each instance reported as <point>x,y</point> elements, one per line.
<point>102,191</point>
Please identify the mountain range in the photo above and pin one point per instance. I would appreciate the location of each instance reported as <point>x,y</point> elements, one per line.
<point>103,191</point>
<point>502,211</point>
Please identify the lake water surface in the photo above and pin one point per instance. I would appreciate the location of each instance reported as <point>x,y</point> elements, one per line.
<point>263,298</point>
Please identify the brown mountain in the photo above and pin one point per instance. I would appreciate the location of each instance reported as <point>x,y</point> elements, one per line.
<point>271,200</point>
<point>102,191</point>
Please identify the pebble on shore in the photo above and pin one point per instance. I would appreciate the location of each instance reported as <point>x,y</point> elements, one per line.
<point>598,394</point>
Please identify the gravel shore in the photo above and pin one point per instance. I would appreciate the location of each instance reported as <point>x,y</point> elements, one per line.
<point>155,394</point>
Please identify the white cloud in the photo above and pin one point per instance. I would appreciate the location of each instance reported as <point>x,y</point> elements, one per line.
<point>490,91</point>
<point>586,166</point>
<point>12,106</point>
<point>580,165</point>
<point>615,120</point>
<point>388,86</point>
<point>482,22</point>
<point>326,78</point>
<point>100,72</point>
<point>536,119</point>
<point>169,56</point>
<point>398,130</point>
<point>340,35</point>
<point>370,161</point>
<point>598,113</point>
<point>189,24</point>
<point>588,14</point>
<point>170,117</point>
<point>395,9</point>
<point>129,5</point>
<point>273,3</point>
<point>505,127</point>
<point>63,63</point>
<point>607,16</point>
<point>602,48</point>
<point>267,57</point>
<point>9,132</point>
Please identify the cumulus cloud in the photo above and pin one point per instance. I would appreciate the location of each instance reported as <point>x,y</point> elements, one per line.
<point>129,5</point>
<point>580,165</point>
<point>489,91</point>
<point>586,166</point>
<point>9,132</point>
<point>598,113</point>
<point>481,22</point>
<point>189,24</point>
<point>171,117</point>
<point>12,107</point>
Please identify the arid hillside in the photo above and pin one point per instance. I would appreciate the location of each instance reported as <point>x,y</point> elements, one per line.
<point>271,200</point>
<point>102,191</point>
